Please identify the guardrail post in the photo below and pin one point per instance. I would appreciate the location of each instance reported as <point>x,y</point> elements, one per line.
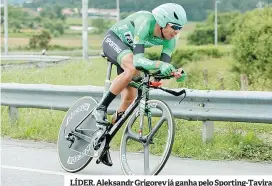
<point>205,76</point>
<point>221,81</point>
<point>244,81</point>
<point>13,114</point>
<point>207,131</point>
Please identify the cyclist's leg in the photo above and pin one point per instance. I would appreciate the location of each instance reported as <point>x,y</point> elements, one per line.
<point>119,52</point>
<point>122,80</point>
<point>127,93</point>
<point>127,96</point>
<point>116,51</point>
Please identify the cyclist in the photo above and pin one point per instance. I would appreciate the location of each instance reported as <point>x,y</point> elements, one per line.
<point>124,45</point>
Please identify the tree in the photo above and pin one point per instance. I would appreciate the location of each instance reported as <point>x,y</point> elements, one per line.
<point>252,45</point>
<point>40,40</point>
<point>204,32</point>
<point>18,18</point>
<point>196,9</point>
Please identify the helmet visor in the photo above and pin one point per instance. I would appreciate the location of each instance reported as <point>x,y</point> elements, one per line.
<point>175,26</point>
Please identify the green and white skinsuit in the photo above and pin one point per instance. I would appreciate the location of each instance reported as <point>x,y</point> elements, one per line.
<point>136,31</point>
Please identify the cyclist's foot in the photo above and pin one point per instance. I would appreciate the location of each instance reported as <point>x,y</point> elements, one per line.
<point>106,158</point>
<point>100,114</point>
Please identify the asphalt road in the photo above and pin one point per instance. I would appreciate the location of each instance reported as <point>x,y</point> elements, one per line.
<point>27,163</point>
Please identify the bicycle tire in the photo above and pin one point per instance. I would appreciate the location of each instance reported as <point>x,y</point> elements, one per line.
<point>170,139</point>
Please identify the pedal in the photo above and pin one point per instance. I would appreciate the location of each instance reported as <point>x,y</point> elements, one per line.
<point>102,154</point>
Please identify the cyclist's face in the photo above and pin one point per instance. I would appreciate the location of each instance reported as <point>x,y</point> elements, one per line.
<point>170,31</point>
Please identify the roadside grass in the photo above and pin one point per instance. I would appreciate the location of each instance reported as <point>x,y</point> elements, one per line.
<point>218,75</point>
<point>232,140</point>
<point>74,72</point>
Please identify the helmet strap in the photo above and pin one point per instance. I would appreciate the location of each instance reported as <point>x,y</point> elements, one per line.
<point>162,33</point>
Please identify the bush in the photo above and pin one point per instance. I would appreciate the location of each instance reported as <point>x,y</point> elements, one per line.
<point>40,40</point>
<point>253,45</point>
<point>190,54</point>
<point>201,35</point>
<point>204,33</point>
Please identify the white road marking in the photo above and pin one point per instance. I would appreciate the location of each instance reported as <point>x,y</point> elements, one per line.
<point>38,170</point>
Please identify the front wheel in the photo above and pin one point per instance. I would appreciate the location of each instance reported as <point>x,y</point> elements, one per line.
<point>149,154</point>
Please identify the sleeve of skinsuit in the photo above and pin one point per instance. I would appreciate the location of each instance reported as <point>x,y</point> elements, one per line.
<point>168,48</point>
<point>142,28</point>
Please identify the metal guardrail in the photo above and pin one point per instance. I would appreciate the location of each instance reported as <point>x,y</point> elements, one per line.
<point>39,58</point>
<point>54,52</point>
<point>30,61</point>
<point>199,105</point>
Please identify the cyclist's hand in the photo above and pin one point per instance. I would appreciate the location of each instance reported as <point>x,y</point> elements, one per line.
<point>180,75</point>
<point>166,69</point>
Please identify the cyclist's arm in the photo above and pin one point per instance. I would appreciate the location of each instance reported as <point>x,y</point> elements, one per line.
<point>168,48</point>
<point>142,28</point>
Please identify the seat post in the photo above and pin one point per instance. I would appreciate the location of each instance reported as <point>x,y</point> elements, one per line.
<point>108,76</point>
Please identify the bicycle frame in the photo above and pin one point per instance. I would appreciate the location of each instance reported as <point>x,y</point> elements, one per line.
<point>94,140</point>
<point>142,97</point>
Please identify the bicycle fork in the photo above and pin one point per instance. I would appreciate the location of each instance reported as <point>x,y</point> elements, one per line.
<point>144,109</point>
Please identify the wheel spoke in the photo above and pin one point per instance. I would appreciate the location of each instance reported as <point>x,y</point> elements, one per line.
<point>162,131</point>
<point>146,159</point>
<point>132,136</point>
<point>156,128</point>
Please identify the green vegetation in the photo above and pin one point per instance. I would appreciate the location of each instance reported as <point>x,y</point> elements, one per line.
<point>40,40</point>
<point>231,141</point>
<point>252,46</point>
<point>207,66</point>
<point>196,10</point>
<point>67,74</point>
<point>188,54</point>
<point>204,32</point>
<point>50,18</point>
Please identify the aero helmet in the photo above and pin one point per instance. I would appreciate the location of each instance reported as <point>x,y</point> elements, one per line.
<point>170,13</point>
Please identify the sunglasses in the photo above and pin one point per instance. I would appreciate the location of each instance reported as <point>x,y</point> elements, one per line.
<point>175,27</point>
